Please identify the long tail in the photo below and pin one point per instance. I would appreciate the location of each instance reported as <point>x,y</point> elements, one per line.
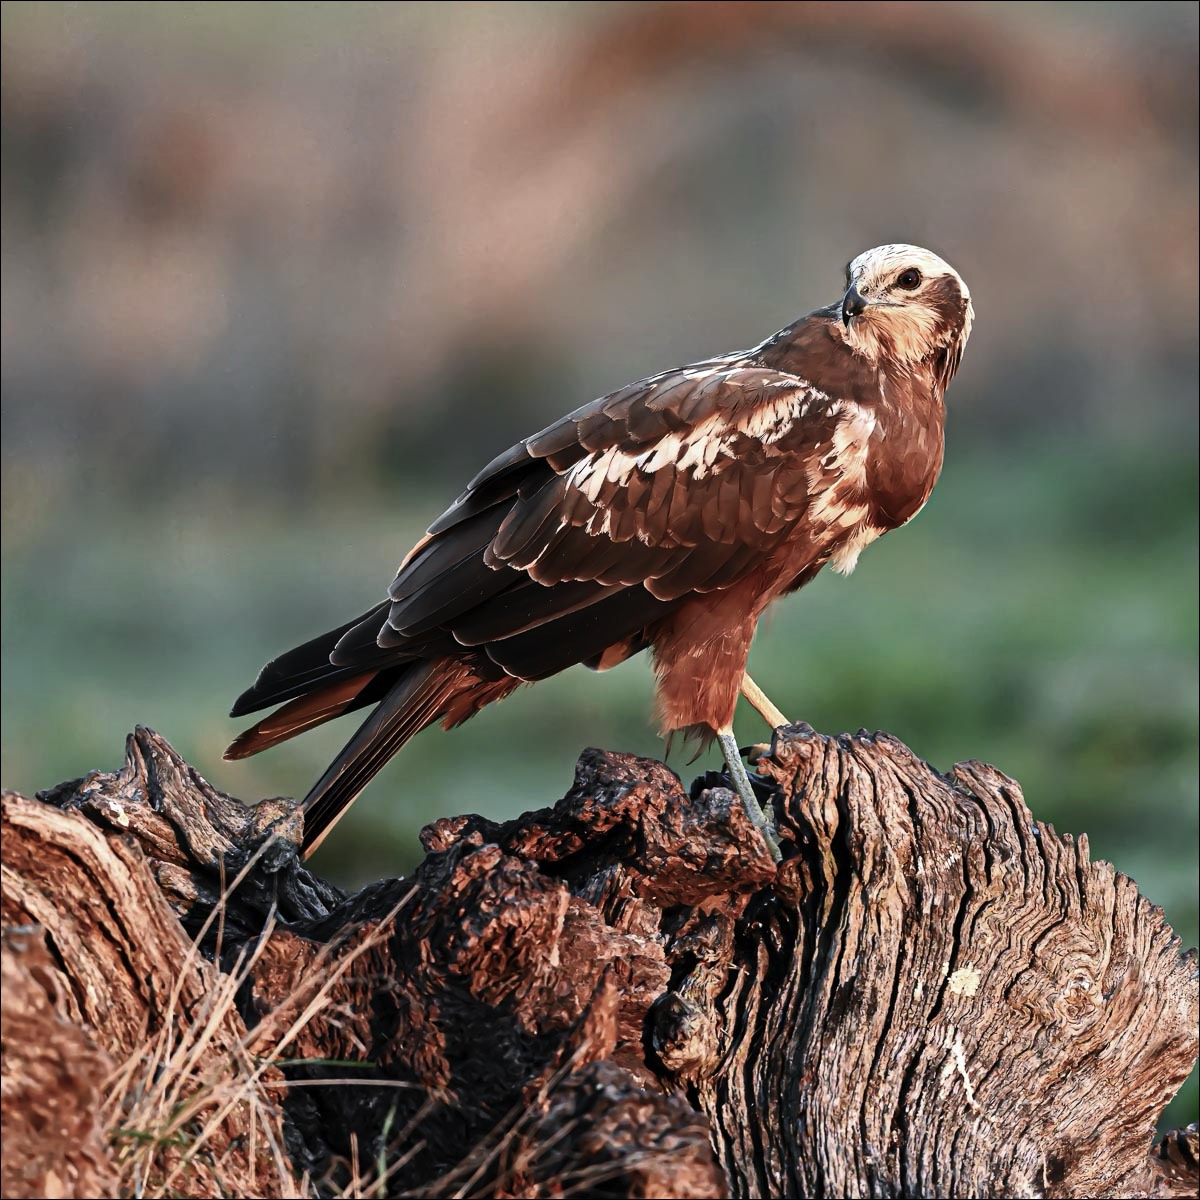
<point>301,672</point>
<point>306,712</point>
<point>424,691</point>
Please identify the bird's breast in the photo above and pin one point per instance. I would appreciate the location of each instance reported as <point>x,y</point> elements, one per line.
<point>903,464</point>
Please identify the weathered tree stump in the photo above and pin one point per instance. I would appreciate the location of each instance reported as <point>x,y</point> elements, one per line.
<point>933,995</point>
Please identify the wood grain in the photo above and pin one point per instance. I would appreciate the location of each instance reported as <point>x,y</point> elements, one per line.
<point>621,995</point>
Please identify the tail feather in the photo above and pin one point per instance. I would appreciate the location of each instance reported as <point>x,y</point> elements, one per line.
<point>305,712</point>
<point>299,671</point>
<point>419,697</point>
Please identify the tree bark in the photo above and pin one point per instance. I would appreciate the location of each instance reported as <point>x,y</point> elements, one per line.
<point>933,995</point>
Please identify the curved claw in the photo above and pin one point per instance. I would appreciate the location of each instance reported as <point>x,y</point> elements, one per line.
<point>753,753</point>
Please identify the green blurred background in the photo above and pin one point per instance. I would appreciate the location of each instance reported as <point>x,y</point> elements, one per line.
<point>278,277</point>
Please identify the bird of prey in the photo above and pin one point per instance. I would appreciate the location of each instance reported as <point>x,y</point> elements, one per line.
<point>666,516</point>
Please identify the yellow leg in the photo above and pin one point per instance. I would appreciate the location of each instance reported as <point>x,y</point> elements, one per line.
<point>741,785</point>
<point>762,705</point>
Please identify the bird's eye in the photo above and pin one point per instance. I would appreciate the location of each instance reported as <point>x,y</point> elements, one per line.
<point>909,280</point>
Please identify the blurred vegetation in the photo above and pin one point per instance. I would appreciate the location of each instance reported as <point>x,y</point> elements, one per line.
<point>277,278</point>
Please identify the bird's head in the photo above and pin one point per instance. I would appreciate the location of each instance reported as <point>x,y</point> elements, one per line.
<point>904,305</point>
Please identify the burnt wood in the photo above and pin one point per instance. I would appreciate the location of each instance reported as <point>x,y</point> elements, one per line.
<point>621,995</point>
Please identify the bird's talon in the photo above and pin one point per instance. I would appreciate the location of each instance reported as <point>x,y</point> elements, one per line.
<point>753,753</point>
<point>771,836</point>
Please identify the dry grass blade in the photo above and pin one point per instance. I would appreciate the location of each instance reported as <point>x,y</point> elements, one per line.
<point>458,1183</point>
<point>202,1093</point>
<point>361,1187</point>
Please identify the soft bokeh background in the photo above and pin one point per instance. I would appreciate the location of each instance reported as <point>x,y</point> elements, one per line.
<point>278,277</point>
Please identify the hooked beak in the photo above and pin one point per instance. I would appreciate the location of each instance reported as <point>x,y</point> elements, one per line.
<point>853,304</point>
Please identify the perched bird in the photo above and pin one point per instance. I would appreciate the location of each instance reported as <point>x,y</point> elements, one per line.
<point>667,515</point>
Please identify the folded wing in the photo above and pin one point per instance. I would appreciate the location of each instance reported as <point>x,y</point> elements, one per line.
<point>567,546</point>
<point>586,533</point>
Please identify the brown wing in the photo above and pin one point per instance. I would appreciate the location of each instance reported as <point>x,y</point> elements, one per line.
<point>580,537</point>
<point>691,511</point>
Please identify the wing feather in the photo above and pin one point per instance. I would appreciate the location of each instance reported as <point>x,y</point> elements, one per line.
<point>525,607</point>
<point>529,525</point>
<point>451,595</point>
<point>465,541</point>
<point>578,636</point>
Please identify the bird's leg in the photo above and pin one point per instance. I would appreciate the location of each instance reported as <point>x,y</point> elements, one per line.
<point>761,703</point>
<point>741,782</point>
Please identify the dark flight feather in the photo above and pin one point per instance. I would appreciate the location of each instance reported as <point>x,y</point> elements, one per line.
<point>362,640</point>
<point>558,644</point>
<point>300,670</point>
<point>441,556</point>
<point>470,583</point>
<point>312,709</point>
<point>524,607</point>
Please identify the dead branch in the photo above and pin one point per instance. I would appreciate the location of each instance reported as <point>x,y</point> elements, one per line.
<point>620,995</point>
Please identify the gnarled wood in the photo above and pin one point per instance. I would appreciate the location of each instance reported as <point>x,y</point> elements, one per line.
<point>619,995</point>
<point>118,1034</point>
<point>55,1143</point>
